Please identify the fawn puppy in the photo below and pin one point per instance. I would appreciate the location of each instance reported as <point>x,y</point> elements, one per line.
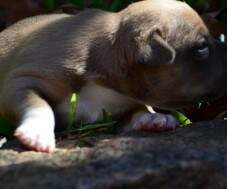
<point>154,52</point>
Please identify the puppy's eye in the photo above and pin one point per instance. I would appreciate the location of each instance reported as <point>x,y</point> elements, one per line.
<point>202,51</point>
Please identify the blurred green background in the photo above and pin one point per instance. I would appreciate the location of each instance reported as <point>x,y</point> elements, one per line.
<point>115,5</point>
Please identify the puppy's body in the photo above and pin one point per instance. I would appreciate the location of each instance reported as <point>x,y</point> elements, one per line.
<point>115,61</point>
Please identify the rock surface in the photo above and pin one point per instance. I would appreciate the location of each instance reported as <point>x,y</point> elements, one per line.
<point>192,157</point>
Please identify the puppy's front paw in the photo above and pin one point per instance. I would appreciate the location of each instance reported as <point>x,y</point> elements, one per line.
<point>155,122</point>
<point>36,131</point>
<point>35,137</point>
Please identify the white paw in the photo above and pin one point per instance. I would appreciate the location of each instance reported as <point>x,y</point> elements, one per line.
<point>154,122</point>
<point>37,131</point>
<point>36,138</point>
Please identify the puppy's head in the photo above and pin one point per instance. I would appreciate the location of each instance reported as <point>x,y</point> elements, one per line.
<point>169,58</point>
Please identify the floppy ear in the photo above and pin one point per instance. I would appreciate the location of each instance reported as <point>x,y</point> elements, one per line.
<point>156,51</point>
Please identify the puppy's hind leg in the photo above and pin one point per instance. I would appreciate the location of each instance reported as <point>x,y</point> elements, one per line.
<point>154,122</point>
<point>34,115</point>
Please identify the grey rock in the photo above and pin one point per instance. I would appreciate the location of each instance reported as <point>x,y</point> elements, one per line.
<point>188,158</point>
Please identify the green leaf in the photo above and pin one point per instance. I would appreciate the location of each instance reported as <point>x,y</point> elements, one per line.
<point>72,111</point>
<point>184,121</point>
<point>89,127</point>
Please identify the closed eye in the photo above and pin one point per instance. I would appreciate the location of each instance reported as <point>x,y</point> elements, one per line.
<point>201,51</point>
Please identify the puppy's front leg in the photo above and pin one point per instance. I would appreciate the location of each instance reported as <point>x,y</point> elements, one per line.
<point>36,130</point>
<point>152,121</point>
<point>35,117</point>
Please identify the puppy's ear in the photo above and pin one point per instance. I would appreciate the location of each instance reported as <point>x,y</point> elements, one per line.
<point>156,51</point>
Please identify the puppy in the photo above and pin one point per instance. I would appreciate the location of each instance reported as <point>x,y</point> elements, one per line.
<point>154,52</point>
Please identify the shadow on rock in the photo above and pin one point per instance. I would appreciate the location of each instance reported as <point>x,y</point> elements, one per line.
<point>187,158</point>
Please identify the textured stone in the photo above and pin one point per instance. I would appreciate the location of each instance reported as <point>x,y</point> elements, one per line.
<point>192,157</point>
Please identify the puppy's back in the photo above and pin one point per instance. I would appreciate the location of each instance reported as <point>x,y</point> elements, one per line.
<point>51,44</point>
<point>15,34</point>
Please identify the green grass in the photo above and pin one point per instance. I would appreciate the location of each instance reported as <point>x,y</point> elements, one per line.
<point>106,124</point>
<point>72,111</point>
<point>91,129</point>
